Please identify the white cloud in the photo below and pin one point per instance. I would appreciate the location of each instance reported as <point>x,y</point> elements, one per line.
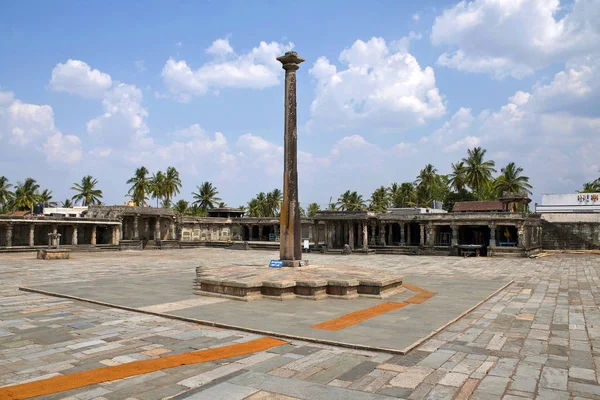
<point>463,144</point>
<point>24,126</point>
<point>220,47</point>
<point>257,69</point>
<point>379,88</point>
<point>101,152</point>
<point>63,148</point>
<point>124,117</point>
<point>416,17</point>
<point>76,77</point>
<point>515,38</point>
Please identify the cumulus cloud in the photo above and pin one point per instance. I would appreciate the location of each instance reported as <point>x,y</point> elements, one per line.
<point>380,88</point>
<point>77,77</point>
<point>515,38</point>
<point>63,148</point>
<point>25,126</point>
<point>256,69</point>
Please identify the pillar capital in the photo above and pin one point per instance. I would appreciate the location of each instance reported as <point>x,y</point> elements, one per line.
<point>290,61</point>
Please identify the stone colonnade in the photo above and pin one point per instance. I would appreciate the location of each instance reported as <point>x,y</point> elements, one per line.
<point>41,233</point>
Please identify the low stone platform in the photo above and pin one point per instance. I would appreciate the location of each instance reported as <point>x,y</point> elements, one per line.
<point>250,282</point>
<point>53,254</point>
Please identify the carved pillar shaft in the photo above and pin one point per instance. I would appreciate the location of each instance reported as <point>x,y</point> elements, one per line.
<point>492,235</point>
<point>454,235</point>
<point>365,233</point>
<point>390,234</point>
<point>74,237</point>
<point>402,234</point>
<point>382,233</point>
<point>422,232</point>
<point>9,235</point>
<point>93,242</point>
<point>157,229</point>
<point>408,238</point>
<point>351,234</point>
<point>31,235</point>
<point>136,231</point>
<point>329,235</point>
<point>260,232</point>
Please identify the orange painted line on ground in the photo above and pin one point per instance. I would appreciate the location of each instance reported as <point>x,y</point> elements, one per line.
<point>98,375</point>
<point>423,295</point>
<point>412,288</point>
<point>355,317</point>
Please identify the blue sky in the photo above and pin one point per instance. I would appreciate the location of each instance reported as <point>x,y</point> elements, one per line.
<point>103,88</point>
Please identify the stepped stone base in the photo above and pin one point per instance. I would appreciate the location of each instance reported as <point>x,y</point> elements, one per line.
<point>250,282</point>
<point>53,254</point>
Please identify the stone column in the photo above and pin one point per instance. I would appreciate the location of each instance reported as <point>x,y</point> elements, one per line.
<point>402,234</point>
<point>157,229</point>
<point>93,235</point>
<point>55,242</point>
<point>291,230</point>
<point>260,232</point>
<point>431,235</point>
<point>521,233</point>
<point>454,235</point>
<point>123,229</point>
<point>311,233</point>
<point>365,234</point>
<point>136,231</point>
<point>422,238</point>
<point>316,232</point>
<point>373,234</point>
<point>173,235</point>
<point>359,238</point>
<point>146,228</point>
<point>351,234</point>
<point>9,235</point>
<point>329,227</point>
<point>492,235</point>
<point>31,235</point>
<point>382,233</point>
<point>408,238</point>
<point>74,237</point>
<point>390,239</point>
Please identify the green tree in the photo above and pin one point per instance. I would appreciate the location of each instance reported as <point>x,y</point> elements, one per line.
<point>171,186</point>
<point>479,172</point>
<point>206,197</point>
<point>26,195</point>
<point>45,196</point>
<point>196,211</point>
<point>140,186</point>
<point>404,196</point>
<point>6,195</point>
<point>181,207</point>
<point>380,200</point>
<point>426,183</point>
<point>458,176</point>
<point>157,186</point>
<point>254,208</point>
<point>67,203</point>
<point>590,187</point>
<point>350,201</point>
<point>453,197</point>
<point>86,193</point>
<point>511,180</point>
<point>313,208</point>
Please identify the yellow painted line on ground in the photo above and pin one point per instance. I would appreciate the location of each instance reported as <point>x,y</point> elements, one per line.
<point>356,317</point>
<point>85,378</point>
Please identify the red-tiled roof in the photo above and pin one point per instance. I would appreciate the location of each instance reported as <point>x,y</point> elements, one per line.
<point>17,213</point>
<point>466,206</point>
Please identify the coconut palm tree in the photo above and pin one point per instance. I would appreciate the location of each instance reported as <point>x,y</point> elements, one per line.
<point>196,211</point>
<point>479,172</point>
<point>181,207</point>
<point>206,197</point>
<point>45,197</point>
<point>6,195</point>
<point>67,203</point>
<point>26,195</point>
<point>426,181</point>
<point>380,200</point>
<point>458,176</point>
<point>511,180</point>
<point>171,185</point>
<point>157,186</point>
<point>590,187</point>
<point>273,202</point>
<point>86,192</point>
<point>351,201</point>
<point>312,209</point>
<point>140,186</point>
<point>406,196</point>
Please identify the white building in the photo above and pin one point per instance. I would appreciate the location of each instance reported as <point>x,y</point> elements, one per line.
<point>569,203</point>
<point>64,212</point>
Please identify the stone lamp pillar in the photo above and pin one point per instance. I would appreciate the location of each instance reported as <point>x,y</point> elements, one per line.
<point>290,248</point>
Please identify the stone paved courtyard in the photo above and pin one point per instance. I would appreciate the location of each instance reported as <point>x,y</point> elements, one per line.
<point>537,338</point>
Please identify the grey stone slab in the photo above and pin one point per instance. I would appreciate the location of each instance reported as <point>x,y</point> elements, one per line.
<point>554,378</point>
<point>301,389</point>
<point>358,371</point>
<point>223,390</point>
